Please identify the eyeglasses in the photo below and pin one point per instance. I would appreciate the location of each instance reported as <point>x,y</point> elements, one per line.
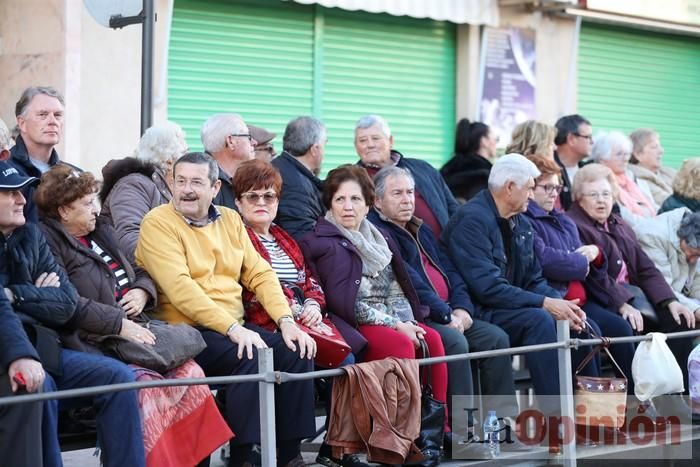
<point>254,198</point>
<point>268,148</point>
<point>549,188</point>
<point>243,135</point>
<point>588,137</point>
<point>596,195</point>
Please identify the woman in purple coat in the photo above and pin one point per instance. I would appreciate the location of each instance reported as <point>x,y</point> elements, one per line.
<point>567,263</point>
<point>633,285</point>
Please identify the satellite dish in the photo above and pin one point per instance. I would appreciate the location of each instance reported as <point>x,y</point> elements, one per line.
<point>103,10</point>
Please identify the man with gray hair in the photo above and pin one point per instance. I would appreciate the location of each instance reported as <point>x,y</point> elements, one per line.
<point>491,244</point>
<point>227,138</point>
<point>440,287</point>
<point>374,144</point>
<point>304,145</point>
<point>39,114</point>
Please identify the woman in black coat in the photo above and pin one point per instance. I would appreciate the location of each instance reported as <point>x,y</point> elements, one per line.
<point>467,173</point>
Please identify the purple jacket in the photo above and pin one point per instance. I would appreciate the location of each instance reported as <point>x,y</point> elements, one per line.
<point>555,246</point>
<point>337,265</point>
<point>619,244</point>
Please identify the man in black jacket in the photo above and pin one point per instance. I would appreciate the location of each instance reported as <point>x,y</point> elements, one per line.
<point>304,146</point>
<point>39,114</point>
<point>574,142</point>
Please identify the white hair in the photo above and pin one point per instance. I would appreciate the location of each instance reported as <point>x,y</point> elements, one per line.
<point>512,167</point>
<point>605,142</point>
<point>162,143</point>
<point>4,136</point>
<point>369,121</point>
<point>217,128</point>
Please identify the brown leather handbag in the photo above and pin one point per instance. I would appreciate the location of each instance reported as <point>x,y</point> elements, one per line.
<point>600,401</point>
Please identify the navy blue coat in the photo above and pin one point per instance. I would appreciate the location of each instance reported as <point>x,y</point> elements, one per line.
<point>338,267</point>
<point>19,159</point>
<point>300,202</point>
<point>14,342</point>
<point>26,255</point>
<point>496,278</point>
<point>411,240</point>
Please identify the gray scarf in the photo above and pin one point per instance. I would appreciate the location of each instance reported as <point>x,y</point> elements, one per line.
<point>369,242</point>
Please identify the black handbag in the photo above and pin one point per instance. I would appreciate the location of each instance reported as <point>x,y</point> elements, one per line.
<point>432,418</point>
<point>175,344</point>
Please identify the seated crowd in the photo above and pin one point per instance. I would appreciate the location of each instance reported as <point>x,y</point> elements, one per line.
<point>251,250</point>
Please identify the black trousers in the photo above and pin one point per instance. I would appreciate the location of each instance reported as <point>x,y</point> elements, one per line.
<point>294,401</point>
<point>20,430</point>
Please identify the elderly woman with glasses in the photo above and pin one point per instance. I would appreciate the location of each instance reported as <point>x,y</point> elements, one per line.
<point>258,185</point>
<point>631,283</point>
<point>567,263</point>
<point>614,151</point>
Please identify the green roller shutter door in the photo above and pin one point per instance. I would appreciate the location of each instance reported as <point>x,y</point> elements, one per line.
<point>272,61</point>
<point>400,68</point>
<point>251,59</point>
<point>630,78</point>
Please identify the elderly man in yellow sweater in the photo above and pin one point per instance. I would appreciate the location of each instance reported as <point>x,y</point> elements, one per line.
<point>201,257</point>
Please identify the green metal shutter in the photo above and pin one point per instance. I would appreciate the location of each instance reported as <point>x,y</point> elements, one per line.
<point>629,79</point>
<point>400,68</point>
<point>272,61</point>
<point>251,59</point>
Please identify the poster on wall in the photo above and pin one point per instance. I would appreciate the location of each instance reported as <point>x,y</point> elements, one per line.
<point>507,79</point>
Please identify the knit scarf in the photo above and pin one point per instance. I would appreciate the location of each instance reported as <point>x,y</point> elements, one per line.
<point>370,244</point>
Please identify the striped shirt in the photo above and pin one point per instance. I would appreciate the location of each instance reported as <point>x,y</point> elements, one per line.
<point>123,285</point>
<point>281,262</point>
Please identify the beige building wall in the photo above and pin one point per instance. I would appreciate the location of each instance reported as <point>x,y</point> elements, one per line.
<point>98,70</point>
<point>555,63</point>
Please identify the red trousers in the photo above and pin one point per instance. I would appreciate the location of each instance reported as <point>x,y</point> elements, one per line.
<point>387,342</point>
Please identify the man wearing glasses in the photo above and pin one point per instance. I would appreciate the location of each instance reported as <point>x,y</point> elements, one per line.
<point>228,140</point>
<point>574,142</point>
<point>304,145</point>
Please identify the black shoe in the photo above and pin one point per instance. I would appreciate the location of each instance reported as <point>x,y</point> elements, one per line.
<point>325,457</point>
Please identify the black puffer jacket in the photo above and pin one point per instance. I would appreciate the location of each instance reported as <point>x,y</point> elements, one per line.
<point>300,205</point>
<point>26,255</point>
<point>98,312</point>
<point>466,175</point>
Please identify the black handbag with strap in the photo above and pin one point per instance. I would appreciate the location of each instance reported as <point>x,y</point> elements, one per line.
<point>432,420</point>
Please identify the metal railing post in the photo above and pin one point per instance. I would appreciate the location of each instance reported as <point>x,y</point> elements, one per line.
<point>566,391</point>
<point>268,441</point>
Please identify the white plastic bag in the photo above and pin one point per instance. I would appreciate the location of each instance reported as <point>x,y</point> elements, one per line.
<point>655,370</point>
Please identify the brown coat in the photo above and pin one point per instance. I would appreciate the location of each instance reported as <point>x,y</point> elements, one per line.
<point>97,312</point>
<point>377,409</point>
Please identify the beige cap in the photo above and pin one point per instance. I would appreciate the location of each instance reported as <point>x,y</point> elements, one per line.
<point>261,135</point>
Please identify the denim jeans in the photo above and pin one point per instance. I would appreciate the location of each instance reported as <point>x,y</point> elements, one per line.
<point>119,431</point>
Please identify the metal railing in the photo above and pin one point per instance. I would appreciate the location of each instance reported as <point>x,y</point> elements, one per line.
<point>267,377</point>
